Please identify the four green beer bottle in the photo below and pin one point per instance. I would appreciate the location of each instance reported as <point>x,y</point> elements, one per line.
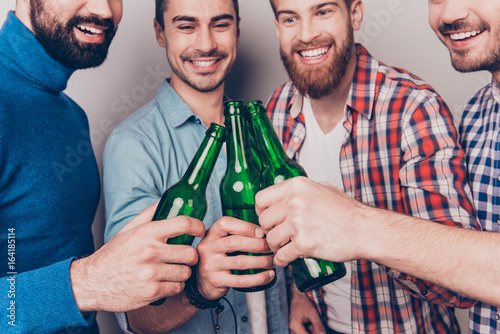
<point>187,197</point>
<point>240,182</point>
<point>308,273</point>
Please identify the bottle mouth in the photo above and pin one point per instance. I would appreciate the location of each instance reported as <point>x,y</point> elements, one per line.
<point>217,131</point>
<point>233,107</point>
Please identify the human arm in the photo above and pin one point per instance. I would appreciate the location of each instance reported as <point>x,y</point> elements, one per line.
<point>344,229</point>
<point>214,278</point>
<point>303,315</point>
<point>136,267</point>
<point>128,272</point>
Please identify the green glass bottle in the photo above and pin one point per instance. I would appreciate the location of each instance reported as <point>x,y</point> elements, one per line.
<point>187,197</point>
<point>308,273</point>
<point>240,182</point>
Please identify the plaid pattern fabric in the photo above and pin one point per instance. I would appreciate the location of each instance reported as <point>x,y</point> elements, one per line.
<point>480,129</point>
<point>401,153</point>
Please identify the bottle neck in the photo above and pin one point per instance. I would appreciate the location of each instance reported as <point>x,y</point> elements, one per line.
<point>201,167</point>
<point>238,144</point>
<point>270,147</point>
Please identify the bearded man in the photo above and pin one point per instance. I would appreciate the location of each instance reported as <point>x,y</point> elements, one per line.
<point>50,187</point>
<point>387,139</point>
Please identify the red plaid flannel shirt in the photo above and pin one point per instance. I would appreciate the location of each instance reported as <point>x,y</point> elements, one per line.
<point>401,154</point>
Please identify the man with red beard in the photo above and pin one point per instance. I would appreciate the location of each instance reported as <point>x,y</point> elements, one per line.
<point>49,183</point>
<point>387,139</point>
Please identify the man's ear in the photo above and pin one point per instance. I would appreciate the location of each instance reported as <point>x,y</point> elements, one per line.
<point>277,28</point>
<point>160,34</point>
<point>238,30</point>
<point>356,12</point>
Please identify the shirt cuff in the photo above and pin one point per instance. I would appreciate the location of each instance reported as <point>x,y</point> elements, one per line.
<point>123,322</point>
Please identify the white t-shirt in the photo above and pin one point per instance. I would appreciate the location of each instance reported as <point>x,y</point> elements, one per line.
<point>320,157</point>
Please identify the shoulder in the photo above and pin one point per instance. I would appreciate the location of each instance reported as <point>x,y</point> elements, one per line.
<point>282,96</point>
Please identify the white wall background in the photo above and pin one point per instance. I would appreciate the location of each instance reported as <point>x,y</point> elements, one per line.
<point>394,31</point>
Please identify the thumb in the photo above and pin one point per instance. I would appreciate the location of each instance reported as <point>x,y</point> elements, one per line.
<point>285,255</point>
<point>144,217</point>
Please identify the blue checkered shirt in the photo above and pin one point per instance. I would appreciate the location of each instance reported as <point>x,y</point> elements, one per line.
<point>480,129</point>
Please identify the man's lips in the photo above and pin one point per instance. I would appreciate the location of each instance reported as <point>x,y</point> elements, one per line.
<point>313,56</point>
<point>460,36</point>
<point>91,33</point>
<point>205,65</point>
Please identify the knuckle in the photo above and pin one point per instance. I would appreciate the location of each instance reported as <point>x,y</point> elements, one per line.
<point>148,274</point>
<point>152,291</point>
<point>236,262</point>
<point>175,288</point>
<point>230,242</point>
<point>147,252</point>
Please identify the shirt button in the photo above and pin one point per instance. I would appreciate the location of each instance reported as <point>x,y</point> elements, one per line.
<point>497,317</point>
<point>296,139</point>
<point>244,319</point>
<point>198,121</point>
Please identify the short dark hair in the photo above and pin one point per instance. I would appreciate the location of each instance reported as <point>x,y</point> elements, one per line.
<point>348,3</point>
<point>162,6</point>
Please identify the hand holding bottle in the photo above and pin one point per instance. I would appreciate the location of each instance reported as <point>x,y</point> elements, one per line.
<point>136,267</point>
<point>229,235</point>
<point>303,218</point>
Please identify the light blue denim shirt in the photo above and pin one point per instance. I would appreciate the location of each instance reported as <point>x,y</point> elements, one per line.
<point>147,153</point>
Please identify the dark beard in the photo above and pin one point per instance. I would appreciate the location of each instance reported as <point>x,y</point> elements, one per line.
<point>322,81</point>
<point>59,41</point>
<point>459,59</point>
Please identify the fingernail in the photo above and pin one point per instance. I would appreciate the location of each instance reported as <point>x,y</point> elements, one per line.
<point>272,273</point>
<point>259,233</point>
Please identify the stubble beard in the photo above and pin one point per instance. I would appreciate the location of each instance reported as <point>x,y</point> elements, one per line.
<point>208,82</point>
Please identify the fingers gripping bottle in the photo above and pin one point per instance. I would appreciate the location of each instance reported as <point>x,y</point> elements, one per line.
<point>240,182</point>
<point>308,273</point>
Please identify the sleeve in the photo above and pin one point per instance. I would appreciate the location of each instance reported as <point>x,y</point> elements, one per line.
<point>30,301</point>
<point>433,177</point>
<point>131,179</point>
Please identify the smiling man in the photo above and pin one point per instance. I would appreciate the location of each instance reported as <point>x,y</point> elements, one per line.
<point>50,187</point>
<point>387,139</point>
<point>471,32</point>
<point>151,150</point>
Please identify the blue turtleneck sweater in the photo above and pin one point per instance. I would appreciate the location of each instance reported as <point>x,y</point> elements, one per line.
<point>49,188</point>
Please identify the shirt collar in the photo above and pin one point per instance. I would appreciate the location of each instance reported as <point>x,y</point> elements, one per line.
<point>362,93</point>
<point>495,90</point>
<point>172,105</point>
<point>26,55</point>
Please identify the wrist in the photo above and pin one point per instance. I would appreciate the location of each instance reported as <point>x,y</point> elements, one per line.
<point>195,297</point>
<point>81,286</point>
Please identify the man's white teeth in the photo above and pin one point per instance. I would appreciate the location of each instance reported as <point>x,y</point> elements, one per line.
<point>463,35</point>
<point>203,63</point>
<point>313,53</point>
<point>90,30</point>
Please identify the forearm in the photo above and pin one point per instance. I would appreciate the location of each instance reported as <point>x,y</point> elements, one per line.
<point>172,314</point>
<point>461,260</point>
<point>36,296</point>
